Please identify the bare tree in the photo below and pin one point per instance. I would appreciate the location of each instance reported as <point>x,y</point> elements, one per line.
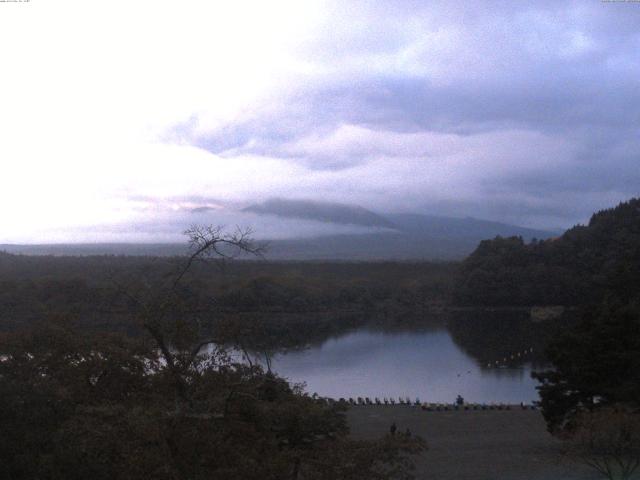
<point>608,441</point>
<point>109,406</point>
<point>164,311</point>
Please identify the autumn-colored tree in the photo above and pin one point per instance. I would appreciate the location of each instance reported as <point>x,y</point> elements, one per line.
<point>170,404</point>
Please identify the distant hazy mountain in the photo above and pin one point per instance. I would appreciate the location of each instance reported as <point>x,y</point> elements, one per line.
<point>418,237</point>
<point>372,246</point>
<point>320,211</point>
<point>408,236</point>
<point>86,249</point>
<point>469,228</point>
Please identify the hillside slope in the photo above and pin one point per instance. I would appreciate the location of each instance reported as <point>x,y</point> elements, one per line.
<point>320,211</point>
<point>582,265</point>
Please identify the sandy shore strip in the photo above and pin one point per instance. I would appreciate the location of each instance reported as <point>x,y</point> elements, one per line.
<point>474,444</point>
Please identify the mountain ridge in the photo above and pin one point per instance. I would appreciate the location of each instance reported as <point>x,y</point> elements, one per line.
<point>331,212</point>
<point>407,222</point>
<point>399,236</point>
<point>585,263</point>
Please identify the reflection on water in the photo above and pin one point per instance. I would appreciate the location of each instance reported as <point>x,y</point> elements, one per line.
<point>426,364</point>
<point>491,336</point>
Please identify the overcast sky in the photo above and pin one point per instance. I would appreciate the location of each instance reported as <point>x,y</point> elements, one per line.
<point>119,113</point>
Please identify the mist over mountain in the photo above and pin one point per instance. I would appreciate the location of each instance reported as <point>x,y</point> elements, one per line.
<point>339,213</point>
<point>311,230</point>
<point>463,228</point>
<point>416,237</point>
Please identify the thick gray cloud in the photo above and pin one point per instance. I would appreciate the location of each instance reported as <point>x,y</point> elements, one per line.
<point>527,112</point>
<point>522,112</point>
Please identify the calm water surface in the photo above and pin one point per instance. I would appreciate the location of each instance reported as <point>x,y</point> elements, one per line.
<point>424,364</point>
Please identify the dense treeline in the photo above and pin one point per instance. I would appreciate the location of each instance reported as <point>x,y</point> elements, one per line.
<point>596,268</point>
<point>168,402</point>
<point>287,304</point>
<point>582,265</point>
<point>76,404</point>
<point>596,364</point>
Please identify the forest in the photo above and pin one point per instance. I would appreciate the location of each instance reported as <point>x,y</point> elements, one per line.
<point>293,302</point>
<point>102,370</point>
<point>584,264</point>
<point>595,356</point>
<point>145,387</point>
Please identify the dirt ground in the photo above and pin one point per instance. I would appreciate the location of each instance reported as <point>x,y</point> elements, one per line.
<point>474,445</point>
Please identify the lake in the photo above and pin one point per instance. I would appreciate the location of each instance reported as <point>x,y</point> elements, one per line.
<point>426,363</point>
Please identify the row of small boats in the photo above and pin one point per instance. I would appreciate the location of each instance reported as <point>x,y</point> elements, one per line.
<point>428,406</point>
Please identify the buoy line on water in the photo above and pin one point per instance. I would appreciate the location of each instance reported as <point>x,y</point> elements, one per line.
<point>505,360</point>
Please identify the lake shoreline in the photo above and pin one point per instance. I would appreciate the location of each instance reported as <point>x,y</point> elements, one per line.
<point>426,364</point>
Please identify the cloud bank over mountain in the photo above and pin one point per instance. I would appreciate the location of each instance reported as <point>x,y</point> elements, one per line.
<point>297,230</point>
<point>524,113</point>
